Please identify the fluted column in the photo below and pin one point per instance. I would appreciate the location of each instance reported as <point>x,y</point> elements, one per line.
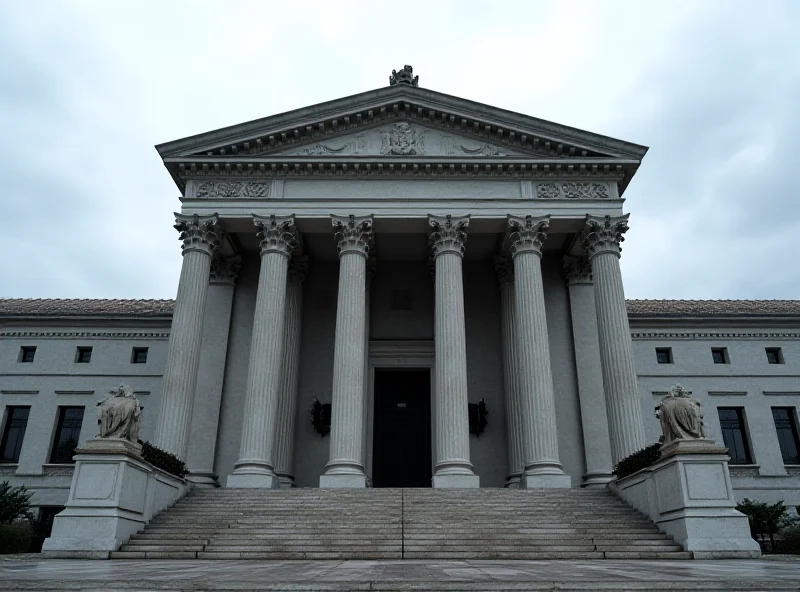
<point>594,420</point>
<point>346,465</point>
<point>287,399</point>
<point>211,373</point>
<point>516,464</point>
<point>601,241</point>
<point>201,238</point>
<point>453,467</point>
<point>542,465</point>
<point>255,467</point>
<point>371,266</point>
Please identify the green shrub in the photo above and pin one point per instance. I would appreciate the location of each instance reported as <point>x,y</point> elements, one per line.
<point>163,460</point>
<point>15,538</point>
<point>14,503</point>
<point>766,520</point>
<point>638,461</point>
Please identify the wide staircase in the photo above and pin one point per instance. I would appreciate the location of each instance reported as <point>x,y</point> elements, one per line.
<point>400,524</point>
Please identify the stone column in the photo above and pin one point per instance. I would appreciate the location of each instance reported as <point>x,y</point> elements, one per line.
<point>346,465</point>
<point>211,374</point>
<point>601,240</point>
<point>371,266</point>
<point>516,463</point>
<point>594,420</point>
<point>256,454</point>
<point>287,399</point>
<point>453,467</point>
<point>536,396</point>
<point>201,238</point>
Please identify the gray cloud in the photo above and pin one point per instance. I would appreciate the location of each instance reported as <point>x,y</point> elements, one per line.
<point>87,88</point>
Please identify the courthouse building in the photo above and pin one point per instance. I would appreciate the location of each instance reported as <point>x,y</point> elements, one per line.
<point>445,275</point>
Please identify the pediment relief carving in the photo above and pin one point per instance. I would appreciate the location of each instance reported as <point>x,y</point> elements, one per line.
<point>402,139</point>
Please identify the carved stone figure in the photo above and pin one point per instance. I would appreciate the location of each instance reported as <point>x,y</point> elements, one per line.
<point>402,140</point>
<point>681,417</point>
<point>119,415</point>
<point>404,76</point>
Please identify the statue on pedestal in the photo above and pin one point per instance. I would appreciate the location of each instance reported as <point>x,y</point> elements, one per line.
<point>118,417</point>
<point>680,416</point>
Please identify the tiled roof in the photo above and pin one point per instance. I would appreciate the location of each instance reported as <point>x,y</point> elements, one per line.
<point>636,308</point>
<point>83,307</point>
<point>677,308</point>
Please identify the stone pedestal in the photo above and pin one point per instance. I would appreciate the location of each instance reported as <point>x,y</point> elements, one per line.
<point>688,494</point>
<point>537,399</point>
<point>255,467</point>
<point>201,237</point>
<point>453,467</point>
<point>346,465</point>
<point>114,493</point>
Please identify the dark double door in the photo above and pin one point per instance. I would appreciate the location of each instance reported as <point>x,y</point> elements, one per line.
<point>401,451</point>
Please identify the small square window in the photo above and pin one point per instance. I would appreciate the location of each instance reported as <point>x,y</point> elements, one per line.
<point>720,355</point>
<point>83,355</point>
<point>139,355</point>
<point>664,355</point>
<point>27,353</point>
<point>774,355</point>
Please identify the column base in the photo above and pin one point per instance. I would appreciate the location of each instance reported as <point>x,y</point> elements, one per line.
<point>545,481</point>
<point>512,481</point>
<point>203,479</point>
<point>253,480</point>
<point>343,481</point>
<point>286,481</point>
<point>597,480</point>
<point>456,481</point>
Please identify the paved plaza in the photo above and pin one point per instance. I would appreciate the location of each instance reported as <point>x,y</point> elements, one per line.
<point>305,576</point>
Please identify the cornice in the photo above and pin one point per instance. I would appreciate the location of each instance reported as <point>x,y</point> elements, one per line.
<point>83,335</point>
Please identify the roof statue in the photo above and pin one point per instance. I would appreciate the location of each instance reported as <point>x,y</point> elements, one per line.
<point>404,76</point>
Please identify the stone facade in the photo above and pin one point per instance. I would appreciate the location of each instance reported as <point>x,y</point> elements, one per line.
<point>400,228</point>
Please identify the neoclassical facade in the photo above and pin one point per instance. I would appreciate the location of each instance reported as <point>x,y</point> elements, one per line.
<point>406,257</point>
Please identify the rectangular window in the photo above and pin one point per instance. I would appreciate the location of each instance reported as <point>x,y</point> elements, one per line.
<point>720,355</point>
<point>774,355</point>
<point>13,433</point>
<point>786,426</point>
<point>664,355</point>
<point>68,431</point>
<point>27,353</point>
<point>731,422</point>
<point>139,355</point>
<point>83,355</point>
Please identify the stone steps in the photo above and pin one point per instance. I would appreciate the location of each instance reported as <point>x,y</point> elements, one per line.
<point>395,524</point>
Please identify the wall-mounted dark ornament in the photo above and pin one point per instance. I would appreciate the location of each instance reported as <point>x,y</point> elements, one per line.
<point>478,421</point>
<point>321,417</point>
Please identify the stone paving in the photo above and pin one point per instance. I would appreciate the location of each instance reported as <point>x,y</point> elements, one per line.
<point>471,575</point>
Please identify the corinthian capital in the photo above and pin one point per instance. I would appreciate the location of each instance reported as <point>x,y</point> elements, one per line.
<point>447,234</point>
<point>224,270</point>
<point>198,233</point>
<point>527,235</point>
<point>277,233</point>
<point>504,267</point>
<point>353,234</point>
<point>603,235</point>
<point>578,270</point>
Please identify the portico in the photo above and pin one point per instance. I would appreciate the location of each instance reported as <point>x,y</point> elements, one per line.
<point>403,228</point>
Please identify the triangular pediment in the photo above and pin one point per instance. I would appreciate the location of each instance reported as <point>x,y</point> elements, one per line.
<point>401,138</point>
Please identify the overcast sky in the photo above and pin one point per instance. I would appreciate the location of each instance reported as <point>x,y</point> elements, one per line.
<point>87,89</point>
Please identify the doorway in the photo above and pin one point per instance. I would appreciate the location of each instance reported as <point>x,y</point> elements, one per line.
<point>401,454</point>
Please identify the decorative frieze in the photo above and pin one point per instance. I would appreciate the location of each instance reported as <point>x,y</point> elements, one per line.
<point>81,335</point>
<point>572,190</point>
<point>704,336</point>
<point>233,189</point>
<point>448,234</point>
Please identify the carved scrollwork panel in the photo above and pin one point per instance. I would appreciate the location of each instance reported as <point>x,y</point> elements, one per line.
<point>572,190</point>
<point>232,189</point>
